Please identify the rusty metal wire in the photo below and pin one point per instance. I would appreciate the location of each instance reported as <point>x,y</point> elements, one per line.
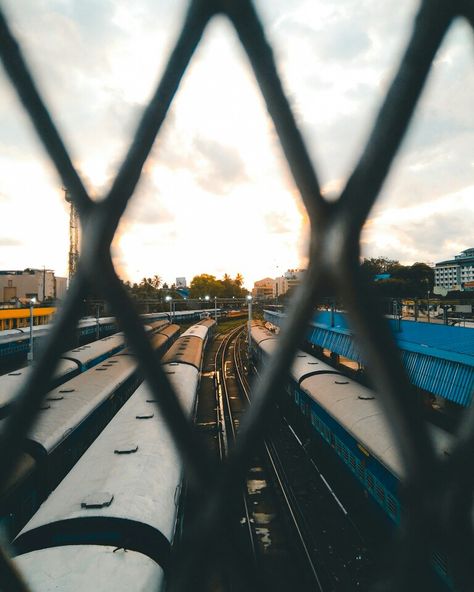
<point>438,496</point>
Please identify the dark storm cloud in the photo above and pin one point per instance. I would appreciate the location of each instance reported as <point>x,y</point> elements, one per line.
<point>220,167</point>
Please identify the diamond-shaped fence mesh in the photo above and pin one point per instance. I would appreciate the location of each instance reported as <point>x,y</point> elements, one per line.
<point>438,494</point>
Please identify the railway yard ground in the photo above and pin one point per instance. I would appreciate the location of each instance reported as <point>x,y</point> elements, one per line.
<point>294,529</point>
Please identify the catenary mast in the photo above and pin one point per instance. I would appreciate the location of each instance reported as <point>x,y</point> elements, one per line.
<point>73,236</point>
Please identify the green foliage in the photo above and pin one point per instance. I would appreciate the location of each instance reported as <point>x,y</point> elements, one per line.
<point>405,281</point>
<point>208,285</point>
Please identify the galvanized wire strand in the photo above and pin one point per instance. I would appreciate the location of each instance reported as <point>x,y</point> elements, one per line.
<point>334,250</point>
<point>252,36</point>
<point>11,579</point>
<point>185,437</point>
<point>397,398</point>
<point>197,17</point>
<point>254,425</point>
<point>28,93</point>
<point>395,114</point>
<point>24,412</point>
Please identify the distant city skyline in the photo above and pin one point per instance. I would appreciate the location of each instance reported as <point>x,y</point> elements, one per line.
<point>216,195</point>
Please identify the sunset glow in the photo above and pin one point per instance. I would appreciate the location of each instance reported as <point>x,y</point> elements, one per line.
<point>216,195</point>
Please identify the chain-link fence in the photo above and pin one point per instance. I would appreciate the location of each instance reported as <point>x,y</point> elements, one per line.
<point>438,494</point>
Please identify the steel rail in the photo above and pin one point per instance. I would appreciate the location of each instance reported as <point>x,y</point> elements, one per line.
<point>228,419</point>
<point>290,502</point>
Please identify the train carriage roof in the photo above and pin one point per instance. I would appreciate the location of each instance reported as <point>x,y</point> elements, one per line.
<point>187,349</point>
<point>133,463</point>
<point>356,408</point>
<point>259,334</point>
<point>200,331</point>
<point>11,383</point>
<point>82,568</point>
<point>68,405</point>
<point>85,354</point>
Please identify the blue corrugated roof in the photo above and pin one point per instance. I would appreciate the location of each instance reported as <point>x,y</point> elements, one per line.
<point>438,358</point>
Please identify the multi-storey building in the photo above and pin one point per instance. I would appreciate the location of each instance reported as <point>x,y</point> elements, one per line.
<point>272,288</point>
<point>455,274</point>
<point>40,284</point>
<point>264,288</point>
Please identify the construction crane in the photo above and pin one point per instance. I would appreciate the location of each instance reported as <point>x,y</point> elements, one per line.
<point>73,236</point>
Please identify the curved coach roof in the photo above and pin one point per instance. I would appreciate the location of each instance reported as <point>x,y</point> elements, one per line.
<point>82,568</point>
<point>11,383</point>
<point>133,464</point>
<point>304,365</point>
<point>358,411</point>
<point>200,331</point>
<point>187,349</point>
<point>259,333</point>
<point>66,406</point>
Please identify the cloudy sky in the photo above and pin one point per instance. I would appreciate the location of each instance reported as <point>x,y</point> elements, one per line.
<point>216,195</point>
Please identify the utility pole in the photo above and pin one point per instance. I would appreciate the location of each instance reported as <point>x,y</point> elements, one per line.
<point>73,236</point>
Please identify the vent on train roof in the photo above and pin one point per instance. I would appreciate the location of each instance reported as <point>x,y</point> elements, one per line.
<point>144,415</point>
<point>301,356</point>
<point>126,449</point>
<point>14,374</point>
<point>341,382</point>
<point>365,398</point>
<point>313,363</point>
<point>55,398</point>
<point>67,390</point>
<point>44,407</point>
<point>97,500</point>
<point>100,369</point>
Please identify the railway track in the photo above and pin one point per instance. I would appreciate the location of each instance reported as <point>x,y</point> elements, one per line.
<point>292,528</point>
<point>334,553</point>
<point>277,543</point>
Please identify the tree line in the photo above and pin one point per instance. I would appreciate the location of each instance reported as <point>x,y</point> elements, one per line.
<point>152,288</point>
<point>401,281</point>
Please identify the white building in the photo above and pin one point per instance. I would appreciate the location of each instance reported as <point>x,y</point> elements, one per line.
<point>290,279</point>
<point>455,274</point>
<point>31,283</point>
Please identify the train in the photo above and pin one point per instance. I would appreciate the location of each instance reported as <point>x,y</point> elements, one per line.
<point>70,417</point>
<point>111,522</point>
<point>15,343</point>
<point>78,360</point>
<point>346,417</point>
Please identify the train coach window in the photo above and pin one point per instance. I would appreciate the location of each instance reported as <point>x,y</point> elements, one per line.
<point>392,506</point>
<point>370,481</point>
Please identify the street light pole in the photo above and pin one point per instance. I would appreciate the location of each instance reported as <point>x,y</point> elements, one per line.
<point>30,353</point>
<point>215,308</point>
<point>249,300</point>
<point>170,300</point>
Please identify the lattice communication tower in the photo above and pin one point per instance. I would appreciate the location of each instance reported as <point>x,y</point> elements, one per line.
<point>73,236</point>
